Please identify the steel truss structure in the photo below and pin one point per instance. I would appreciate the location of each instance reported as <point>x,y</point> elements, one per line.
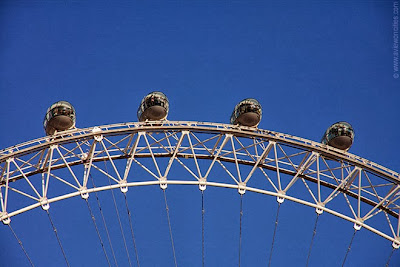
<point>49,169</point>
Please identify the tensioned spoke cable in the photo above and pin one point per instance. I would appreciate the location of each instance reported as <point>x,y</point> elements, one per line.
<point>170,228</point>
<point>119,219</point>
<point>20,244</point>
<point>349,247</point>
<point>97,231</point>
<point>390,257</point>
<point>130,224</point>
<point>312,239</point>
<point>58,238</point>
<point>273,237</point>
<point>202,227</point>
<point>240,227</point>
<point>104,222</point>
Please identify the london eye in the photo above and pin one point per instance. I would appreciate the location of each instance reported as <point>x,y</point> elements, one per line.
<point>201,133</point>
<point>77,163</point>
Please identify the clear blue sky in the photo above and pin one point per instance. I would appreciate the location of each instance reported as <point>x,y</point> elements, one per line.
<point>309,64</point>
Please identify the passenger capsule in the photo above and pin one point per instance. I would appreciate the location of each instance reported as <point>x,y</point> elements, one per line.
<point>247,113</point>
<point>153,107</point>
<point>340,135</point>
<point>59,117</point>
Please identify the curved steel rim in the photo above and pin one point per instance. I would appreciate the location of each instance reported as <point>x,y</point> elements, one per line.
<point>213,184</point>
<point>196,127</point>
<point>240,131</point>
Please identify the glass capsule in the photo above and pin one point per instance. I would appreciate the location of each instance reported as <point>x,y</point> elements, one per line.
<point>59,117</point>
<point>247,113</point>
<point>154,106</point>
<point>339,135</point>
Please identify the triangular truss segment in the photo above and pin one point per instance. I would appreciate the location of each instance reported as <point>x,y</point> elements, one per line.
<point>247,159</point>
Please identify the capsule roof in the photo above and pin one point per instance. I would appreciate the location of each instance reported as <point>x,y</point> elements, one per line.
<point>249,101</point>
<point>158,93</point>
<point>342,123</point>
<point>61,103</point>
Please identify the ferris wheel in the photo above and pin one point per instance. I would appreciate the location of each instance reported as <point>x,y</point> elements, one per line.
<point>71,162</point>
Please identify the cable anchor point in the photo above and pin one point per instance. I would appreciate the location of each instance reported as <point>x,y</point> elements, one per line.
<point>44,203</point>
<point>242,188</point>
<point>7,219</point>
<point>98,137</point>
<point>280,198</point>
<point>357,226</point>
<point>396,243</point>
<point>123,186</point>
<point>319,209</point>
<point>84,192</point>
<point>163,183</point>
<point>202,184</point>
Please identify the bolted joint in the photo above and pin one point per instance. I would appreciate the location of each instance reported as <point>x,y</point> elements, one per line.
<point>357,226</point>
<point>242,188</point>
<point>52,147</point>
<point>84,156</point>
<point>123,186</point>
<point>319,209</point>
<point>44,203</point>
<point>163,183</point>
<point>4,218</point>
<point>202,184</point>
<point>84,192</point>
<point>98,136</point>
<point>396,243</point>
<point>281,197</point>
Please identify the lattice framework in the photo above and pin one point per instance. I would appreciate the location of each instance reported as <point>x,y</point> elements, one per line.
<point>49,169</point>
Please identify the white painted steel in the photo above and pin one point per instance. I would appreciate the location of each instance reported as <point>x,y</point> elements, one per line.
<point>287,162</point>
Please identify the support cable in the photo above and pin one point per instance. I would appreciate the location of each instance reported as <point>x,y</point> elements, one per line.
<point>202,226</point>
<point>104,222</point>
<point>20,243</point>
<point>58,238</point>
<point>273,237</point>
<point>312,239</point>
<point>133,235</point>
<point>390,257</point>
<point>170,229</point>
<point>97,231</point>
<point>119,219</point>
<point>240,227</point>
<point>349,247</point>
